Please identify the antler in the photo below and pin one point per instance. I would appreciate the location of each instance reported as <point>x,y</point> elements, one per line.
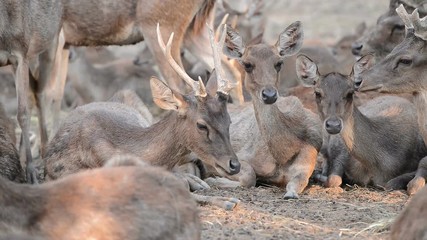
<point>197,86</point>
<point>413,21</point>
<point>224,86</point>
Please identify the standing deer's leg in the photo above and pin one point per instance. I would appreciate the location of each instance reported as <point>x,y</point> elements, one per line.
<point>300,172</point>
<point>419,180</point>
<point>168,73</point>
<point>47,78</point>
<point>61,68</point>
<point>22,89</point>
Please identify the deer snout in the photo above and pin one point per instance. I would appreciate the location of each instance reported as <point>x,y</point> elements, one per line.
<point>269,95</point>
<point>234,166</point>
<point>333,125</point>
<point>356,48</point>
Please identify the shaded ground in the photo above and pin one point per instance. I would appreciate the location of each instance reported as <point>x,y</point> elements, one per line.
<point>320,213</point>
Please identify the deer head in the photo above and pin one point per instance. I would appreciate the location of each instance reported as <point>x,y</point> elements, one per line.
<point>404,69</point>
<point>334,93</point>
<point>203,113</point>
<point>388,32</point>
<point>263,62</point>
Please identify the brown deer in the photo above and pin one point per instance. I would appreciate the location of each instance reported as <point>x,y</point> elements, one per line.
<point>381,134</point>
<point>276,139</point>
<point>30,32</point>
<point>411,222</point>
<point>197,122</point>
<point>402,71</point>
<point>387,33</point>
<point>114,202</point>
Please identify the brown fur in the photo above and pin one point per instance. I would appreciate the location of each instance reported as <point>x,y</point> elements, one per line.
<point>10,166</point>
<point>279,140</point>
<point>412,221</point>
<point>107,203</point>
<point>381,134</point>
<point>29,32</point>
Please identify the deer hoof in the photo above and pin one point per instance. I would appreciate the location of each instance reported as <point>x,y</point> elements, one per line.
<point>333,181</point>
<point>415,185</point>
<point>290,195</point>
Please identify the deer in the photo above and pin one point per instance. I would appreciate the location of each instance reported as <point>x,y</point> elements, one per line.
<point>31,34</point>
<point>411,222</point>
<point>196,122</point>
<point>381,134</point>
<point>389,31</point>
<point>125,199</point>
<point>276,139</point>
<point>402,71</point>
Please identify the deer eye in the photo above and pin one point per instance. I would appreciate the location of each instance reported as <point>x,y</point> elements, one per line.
<point>405,61</point>
<point>249,67</point>
<point>202,126</point>
<point>278,66</point>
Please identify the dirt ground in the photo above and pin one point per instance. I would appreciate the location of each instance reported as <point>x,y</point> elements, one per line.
<point>320,213</point>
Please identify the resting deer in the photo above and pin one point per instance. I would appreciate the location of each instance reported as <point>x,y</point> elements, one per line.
<point>386,34</point>
<point>381,134</point>
<point>411,222</point>
<point>402,71</point>
<point>276,139</point>
<point>30,32</point>
<point>115,202</point>
<point>197,122</point>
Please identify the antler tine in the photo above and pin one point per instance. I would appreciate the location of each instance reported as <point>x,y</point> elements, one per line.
<point>420,25</point>
<point>401,11</point>
<point>223,84</point>
<point>197,86</point>
<point>223,21</point>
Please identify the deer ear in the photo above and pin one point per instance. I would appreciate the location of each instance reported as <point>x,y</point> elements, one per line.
<point>363,64</point>
<point>164,97</point>
<point>234,46</point>
<point>290,40</point>
<point>307,71</point>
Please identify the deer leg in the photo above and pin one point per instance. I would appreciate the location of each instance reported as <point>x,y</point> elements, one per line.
<point>22,89</point>
<point>419,180</point>
<point>167,72</point>
<point>222,202</point>
<point>48,71</point>
<point>300,171</point>
<point>61,68</point>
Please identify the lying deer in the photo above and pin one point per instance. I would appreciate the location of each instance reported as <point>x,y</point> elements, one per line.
<point>381,134</point>
<point>115,202</point>
<point>276,139</point>
<point>386,34</point>
<point>402,71</point>
<point>197,122</point>
<point>411,223</point>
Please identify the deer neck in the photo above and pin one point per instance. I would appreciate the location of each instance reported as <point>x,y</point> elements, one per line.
<point>358,132</point>
<point>277,129</point>
<point>163,143</point>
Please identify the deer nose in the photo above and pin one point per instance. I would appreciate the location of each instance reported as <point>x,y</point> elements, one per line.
<point>234,166</point>
<point>333,125</point>
<point>269,95</point>
<point>356,48</point>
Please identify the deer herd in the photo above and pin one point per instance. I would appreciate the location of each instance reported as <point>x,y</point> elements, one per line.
<point>112,170</point>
